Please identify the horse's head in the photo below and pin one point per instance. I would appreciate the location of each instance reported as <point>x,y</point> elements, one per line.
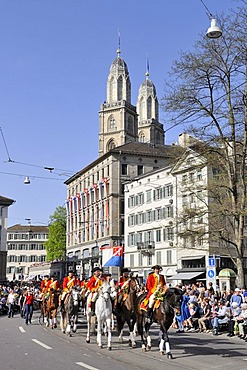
<point>174,297</point>
<point>105,291</point>
<point>133,285</point>
<point>113,290</point>
<point>76,295</point>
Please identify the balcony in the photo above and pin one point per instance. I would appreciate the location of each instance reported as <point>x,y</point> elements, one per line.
<point>146,247</point>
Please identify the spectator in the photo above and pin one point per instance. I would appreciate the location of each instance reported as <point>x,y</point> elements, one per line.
<point>242,321</point>
<point>11,302</point>
<point>219,316</point>
<point>235,311</point>
<point>202,321</point>
<point>236,298</point>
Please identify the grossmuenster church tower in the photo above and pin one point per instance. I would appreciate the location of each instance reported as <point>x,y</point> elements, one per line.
<point>120,121</point>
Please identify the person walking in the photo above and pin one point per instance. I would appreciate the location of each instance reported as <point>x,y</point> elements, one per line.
<point>28,304</point>
<point>11,302</point>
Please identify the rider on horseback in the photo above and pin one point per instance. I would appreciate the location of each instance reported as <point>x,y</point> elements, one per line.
<point>123,284</point>
<point>44,286</point>
<point>93,285</point>
<point>156,285</point>
<point>68,283</point>
<point>53,283</point>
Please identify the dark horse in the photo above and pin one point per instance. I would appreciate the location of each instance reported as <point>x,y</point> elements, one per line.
<point>162,315</point>
<point>69,314</point>
<point>125,311</point>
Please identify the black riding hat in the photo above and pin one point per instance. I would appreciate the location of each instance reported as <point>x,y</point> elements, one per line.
<point>125,270</point>
<point>157,267</point>
<point>96,269</point>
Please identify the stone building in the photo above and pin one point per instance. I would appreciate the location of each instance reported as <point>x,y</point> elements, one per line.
<point>131,143</point>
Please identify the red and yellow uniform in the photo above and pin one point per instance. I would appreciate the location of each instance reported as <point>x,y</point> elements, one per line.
<point>153,281</point>
<point>69,282</point>
<point>53,284</point>
<point>94,283</point>
<point>44,285</point>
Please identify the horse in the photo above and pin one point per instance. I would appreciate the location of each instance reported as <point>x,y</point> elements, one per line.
<point>125,312</point>
<point>50,308</point>
<point>163,314</point>
<point>69,314</point>
<point>103,311</point>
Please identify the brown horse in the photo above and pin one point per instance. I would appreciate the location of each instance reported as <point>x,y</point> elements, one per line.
<point>125,311</point>
<point>52,304</point>
<point>163,314</point>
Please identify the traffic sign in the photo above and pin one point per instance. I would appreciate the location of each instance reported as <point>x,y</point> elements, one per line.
<point>211,274</point>
<point>211,261</point>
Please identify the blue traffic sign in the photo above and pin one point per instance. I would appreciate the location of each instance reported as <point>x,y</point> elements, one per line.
<point>211,262</point>
<point>211,274</point>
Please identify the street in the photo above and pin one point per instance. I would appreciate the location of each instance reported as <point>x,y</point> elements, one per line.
<point>37,347</point>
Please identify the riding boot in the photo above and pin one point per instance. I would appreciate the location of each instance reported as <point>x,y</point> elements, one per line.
<point>62,305</point>
<point>149,314</point>
<point>92,308</point>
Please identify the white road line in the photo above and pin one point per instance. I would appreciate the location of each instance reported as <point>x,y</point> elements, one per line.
<point>21,329</point>
<point>86,366</point>
<point>41,344</point>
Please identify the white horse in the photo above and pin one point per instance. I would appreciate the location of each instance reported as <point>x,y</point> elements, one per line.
<point>69,316</point>
<point>103,310</point>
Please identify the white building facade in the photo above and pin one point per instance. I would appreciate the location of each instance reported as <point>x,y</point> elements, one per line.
<point>25,247</point>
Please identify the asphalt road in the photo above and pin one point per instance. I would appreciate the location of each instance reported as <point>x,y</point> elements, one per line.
<point>37,347</point>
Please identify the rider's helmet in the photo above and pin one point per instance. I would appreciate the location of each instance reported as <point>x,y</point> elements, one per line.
<point>96,269</point>
<point>157,267</point>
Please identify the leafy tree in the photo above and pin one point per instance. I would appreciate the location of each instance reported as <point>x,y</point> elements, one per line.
<point>56,244</point>
<point>207,93</point>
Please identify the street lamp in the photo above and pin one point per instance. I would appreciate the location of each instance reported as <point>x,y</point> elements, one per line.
<point>214,31</point>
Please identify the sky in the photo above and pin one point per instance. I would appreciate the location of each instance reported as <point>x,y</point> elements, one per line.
<point>55,57</point>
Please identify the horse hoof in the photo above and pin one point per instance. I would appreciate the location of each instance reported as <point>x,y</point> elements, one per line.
<point>161,352</point>
<point>130,344</point>
<point>73,330</point>
<point>169,356</point>
<point>109,348</point>
<point>133,345</point>
<point>149,348</point>
<point>55,326</point>
<point>88,340</point>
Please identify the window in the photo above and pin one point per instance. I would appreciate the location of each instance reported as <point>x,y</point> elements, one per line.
<point>158,235</point>
<point>169,257</point>
<point>199,175</point>
<point>149,196</point>
<point>140,259</point>
<point>158,214</point>
<point>32,258</point>
<point>132,260</point>
<point>124,169</point>
<point>168,191</point>
<point>157,194</point>
<point>169,235</point>
<point>149,216</point>
<point>140,199</point>
<point>139,170</point>
<point>112,123</point>
<point>158,258</point>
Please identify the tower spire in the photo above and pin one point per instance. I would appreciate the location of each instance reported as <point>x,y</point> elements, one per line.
<point>147,67</point>
<point>118,50</point>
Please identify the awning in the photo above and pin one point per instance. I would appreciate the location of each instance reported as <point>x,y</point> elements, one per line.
<point>187,258</point>
<point>185,275</point>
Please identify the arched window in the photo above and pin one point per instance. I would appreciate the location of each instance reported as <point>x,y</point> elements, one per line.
<point>130,125</point>
<point>120,88</point>
<point>149,108</point>
<point>111,145</point>
<point>142,110</point>
<point>112,89</point>
<point>111,122</point>
<point>142,137</point>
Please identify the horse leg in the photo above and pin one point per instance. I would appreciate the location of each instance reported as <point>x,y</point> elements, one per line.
<point>149,345</point>
<point>120,325</point>
<point>132,342</point>
<point>75,323</point>
<point>165,339</point>
<point>68,328</point>
<point>112,322</point>
<point>108,326</point>
<point>99,334</point>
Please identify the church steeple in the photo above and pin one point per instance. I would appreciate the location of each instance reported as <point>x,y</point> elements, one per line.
<point>118,117</point>
<point>149,128</point>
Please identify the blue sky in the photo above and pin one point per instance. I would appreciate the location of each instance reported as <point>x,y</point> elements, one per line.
<point>54,63</point>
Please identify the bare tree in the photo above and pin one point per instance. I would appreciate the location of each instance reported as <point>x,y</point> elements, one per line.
<point>207,94</point>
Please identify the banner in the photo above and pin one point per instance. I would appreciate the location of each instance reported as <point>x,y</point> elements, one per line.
<point>112,256</point>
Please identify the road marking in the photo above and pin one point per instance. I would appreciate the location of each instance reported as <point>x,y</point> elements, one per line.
<point>41,344</point>
<point>86,366</point>
<point>21,329</point>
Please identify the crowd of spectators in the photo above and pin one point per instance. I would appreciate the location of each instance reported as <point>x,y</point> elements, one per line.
<point>206,310</point>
